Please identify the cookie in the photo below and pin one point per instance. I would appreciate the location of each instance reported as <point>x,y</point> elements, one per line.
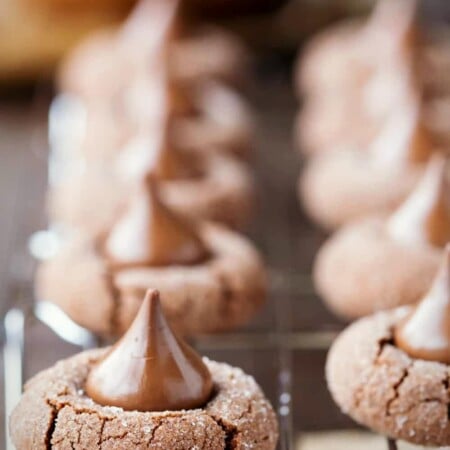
<point>383,388</point>
<point>361,269</point>
<point>56,413</point>
<point>328,53</point>
<point>340,187</point>
<point>222,121</point>
<point>91,199</point>
<point>221,293</point>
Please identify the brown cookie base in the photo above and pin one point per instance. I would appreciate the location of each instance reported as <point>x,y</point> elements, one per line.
<point>328,73</point>
<point>360,270</point>
<point>340,187</point>
<point>325,124</point>
<point>210,53</point>
<point>223,122</point>
<point>381,387</point>
<point>324,63</point>
<point>219,294</point>
<point>224,193</point>
<point>55,413</point>
<point>323,66</point>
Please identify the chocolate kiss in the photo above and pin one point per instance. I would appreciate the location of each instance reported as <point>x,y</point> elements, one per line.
<point>157,154</point>
<point>150,22</point>
<point>425,334</point>
<point>404,138</point>
<point>156,151</point>
<point>149,234</point>
<point>425,216</point>
<point>393,24</point>
<point>169,163</point>
<point>149,369</point>
<point>180,99</point>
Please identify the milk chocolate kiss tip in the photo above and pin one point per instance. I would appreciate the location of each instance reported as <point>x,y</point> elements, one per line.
<point>150,234</point>
<point>169,163</point>
<point>404,140</point>
<point>425,216</point>
<point>425,333</point>
<point>149,368</point>
<point>399,16</point>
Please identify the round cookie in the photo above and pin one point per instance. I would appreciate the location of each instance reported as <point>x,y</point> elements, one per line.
<point>382,387</point>
<point>340,65</point>
<point>391,371</point>
<point>322,126</point>
<point>150,390</point>
<point>345,56</point>
<point>55,411</point>
<point>220,287</point>
<point>91,198</point>
<point>361,269</point>
<point>356,118</point>
<point>221,121</point>
<point>87,71</point>
<point>379,263</point>
<point>329,52</point>
<point>340,187</point>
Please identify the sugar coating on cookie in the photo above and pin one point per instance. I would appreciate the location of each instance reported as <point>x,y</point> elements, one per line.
<point>54,410</point>
<point>378,263</point>
<point>220,293</point>
<point>361,269</point>
<point>383,388</point>
<point>150,390</point>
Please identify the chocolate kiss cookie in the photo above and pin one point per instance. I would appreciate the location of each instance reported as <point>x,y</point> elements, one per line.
<point>223,121</point>
<point>211,279</point>
<point>391,371</point>
<point>366,61</point>
<point>149,391</point>
<point>425,333</point>
<point>343,57</point>
<point>341,186</point>
<point>213,187</point>
<point>103,63</point>
<point>379,264</point>
<point>208,117</point>
<point>212,115</point>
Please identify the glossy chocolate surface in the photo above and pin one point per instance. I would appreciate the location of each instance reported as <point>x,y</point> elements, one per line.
<point>150,234</point>
<point>424,218</point>
<point>425,334</point>
<point>149,368</point>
